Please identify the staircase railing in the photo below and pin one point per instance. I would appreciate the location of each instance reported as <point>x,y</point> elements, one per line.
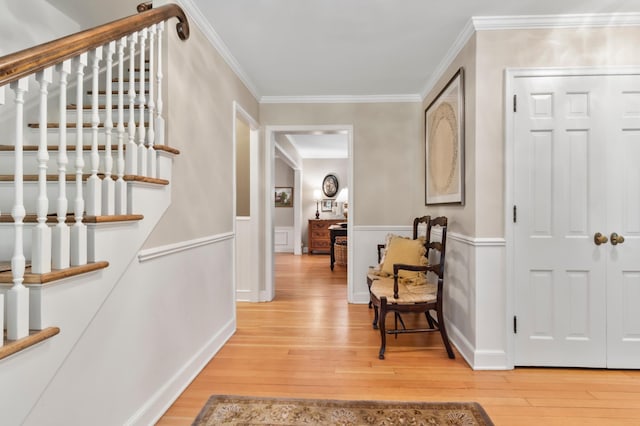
<point>62,63</point>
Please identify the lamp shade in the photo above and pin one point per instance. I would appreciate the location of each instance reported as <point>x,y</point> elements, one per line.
<point>343,196</point>
<point>317,195</point>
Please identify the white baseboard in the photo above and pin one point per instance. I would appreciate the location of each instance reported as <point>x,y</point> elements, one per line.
<point>158,404</point>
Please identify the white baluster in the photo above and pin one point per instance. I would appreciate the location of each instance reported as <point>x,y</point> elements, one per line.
<point>159,126</point>
<point>131,166</point>
<point>60,235</point>
<point>151,154</point>
<point>2,295</point>
<point>18,294</point>
<point>108,185</point>
<point>142,150</point>
<point>1,299</point>
<point>79,229</point>
<point>41,235</point>
<point>94,196</point>
<point>121,185</point>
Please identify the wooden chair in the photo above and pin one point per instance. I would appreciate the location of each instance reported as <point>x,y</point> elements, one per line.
<point>395,294</point>
<point>371,276</point>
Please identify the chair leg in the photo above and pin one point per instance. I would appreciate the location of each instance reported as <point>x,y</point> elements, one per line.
<point>375,317</point>
<point>381,325</point>
<point>443,333</point>
<point>429,320</point>
<point>398,317</point>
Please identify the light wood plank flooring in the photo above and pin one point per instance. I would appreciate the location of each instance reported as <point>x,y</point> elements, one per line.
<point>310,343</point>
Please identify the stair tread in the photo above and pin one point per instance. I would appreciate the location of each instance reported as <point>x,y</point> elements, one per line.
<point>104,92</point>
<point>71,177</point>
<point>114,148</point>
<point>6,277</point>
<point>52,218</point>
<point>35,336</point>
<point>101,106</point>
<point>84,125</point>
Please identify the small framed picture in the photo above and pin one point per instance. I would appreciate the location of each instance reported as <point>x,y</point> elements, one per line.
<point>326,205</point>
<point>283,196</point>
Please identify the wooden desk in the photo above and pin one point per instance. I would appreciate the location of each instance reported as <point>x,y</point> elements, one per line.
<point>319,234</point>
<point>335,231</point>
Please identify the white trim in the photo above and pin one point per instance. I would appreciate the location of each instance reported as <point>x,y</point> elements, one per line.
<point>153,409</point>
<point>475,242</point>
<point>284,155</point>
<point>472,241</point>
<point>382,228</point>
<point>588,20</point>
<point>169,249</point>
<point>512,73</point>
<point>240,112</point>
<point>341,99</point>
<point>195,15</point>
<point>467,32</point>
<point>270,146</point>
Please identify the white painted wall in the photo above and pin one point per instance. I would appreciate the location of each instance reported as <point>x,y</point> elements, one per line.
<point>163,321</point>
<point>26,24</point>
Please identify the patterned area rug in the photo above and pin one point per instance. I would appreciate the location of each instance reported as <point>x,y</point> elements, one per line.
<point>241,410</point>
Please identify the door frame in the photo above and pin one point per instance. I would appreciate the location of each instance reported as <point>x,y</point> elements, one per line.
<point>510,76</point>
<point>270,145</point>
<point>239,113</point>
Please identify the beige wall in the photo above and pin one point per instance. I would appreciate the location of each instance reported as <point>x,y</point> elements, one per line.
<point>313,172</point>
<point>283,176</point>
<point>386,149</point>
<point>485,58</point>
<point>243,167</point>
<point>461,218</point>
<point>201,91</point>
<point>498,50</point>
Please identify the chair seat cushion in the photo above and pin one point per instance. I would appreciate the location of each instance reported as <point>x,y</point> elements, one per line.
<point>422,292</point>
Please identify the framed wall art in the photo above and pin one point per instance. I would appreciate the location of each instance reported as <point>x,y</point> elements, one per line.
<point>283,196</point>
<point>327,205</point>
<point>444,144</point>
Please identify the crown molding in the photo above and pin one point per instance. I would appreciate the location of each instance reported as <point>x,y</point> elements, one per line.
<point>194,14</point>
<point>488,23</point>
<point>467,32</point>
<point>340,99</point>
<point>589,20</point>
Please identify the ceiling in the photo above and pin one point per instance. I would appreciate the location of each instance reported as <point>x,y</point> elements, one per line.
<point>332,50</point>
<point>316,145</point>
<point>356,48</point>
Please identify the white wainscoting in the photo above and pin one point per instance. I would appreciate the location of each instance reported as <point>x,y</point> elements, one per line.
<point>475,295</point>
<point>283,239</point>
<point>162,322</point>
<point>246,269</point>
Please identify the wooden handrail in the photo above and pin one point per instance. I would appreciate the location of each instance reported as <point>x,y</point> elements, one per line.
<point>29,61</point>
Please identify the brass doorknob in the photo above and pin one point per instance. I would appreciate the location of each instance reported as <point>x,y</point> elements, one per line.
<point>616,239</point>
<point>598,238</point>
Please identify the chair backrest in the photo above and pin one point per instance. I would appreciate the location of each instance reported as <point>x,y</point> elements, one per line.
<point>439,246</point>
<point>416,224</point>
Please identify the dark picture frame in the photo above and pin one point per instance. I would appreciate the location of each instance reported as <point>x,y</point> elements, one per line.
<point>444,144</point>
<point>283,196</point>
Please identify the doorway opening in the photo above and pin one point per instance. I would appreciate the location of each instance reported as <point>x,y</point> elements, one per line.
<point>294,145</point>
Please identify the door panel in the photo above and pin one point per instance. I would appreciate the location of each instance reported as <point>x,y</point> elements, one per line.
<point>623,218</point>
<point>560,272</point>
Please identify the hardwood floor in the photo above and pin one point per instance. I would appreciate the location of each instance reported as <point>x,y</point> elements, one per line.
<point>310,343</point>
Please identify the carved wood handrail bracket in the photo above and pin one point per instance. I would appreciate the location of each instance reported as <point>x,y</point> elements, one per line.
<point>29,61</point>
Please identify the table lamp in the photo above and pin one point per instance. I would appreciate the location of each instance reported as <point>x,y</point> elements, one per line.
<point>317,196</point>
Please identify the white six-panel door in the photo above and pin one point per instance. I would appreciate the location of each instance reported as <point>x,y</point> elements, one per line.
<point>576,142</point>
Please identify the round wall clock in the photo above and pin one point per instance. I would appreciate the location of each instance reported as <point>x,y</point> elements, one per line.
<point>330,185</point>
